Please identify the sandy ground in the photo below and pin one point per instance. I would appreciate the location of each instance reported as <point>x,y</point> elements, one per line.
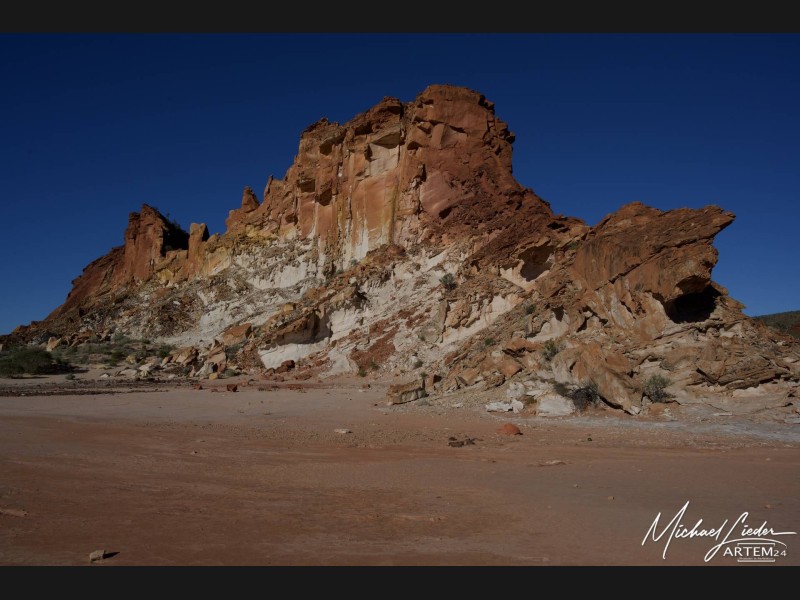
<point>168,475</point>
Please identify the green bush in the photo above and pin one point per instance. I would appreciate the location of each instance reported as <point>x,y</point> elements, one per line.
<point>530,309</point>
<point>30,361</point>
<point>655,388</point>
<point>489,342</point>
<point>561,389</point>
<point>448,281</point>
<point>229,373</point>
<point>586,395</point>
<point>232,351</point>
<point>362,372</point>
<point>550,350</point>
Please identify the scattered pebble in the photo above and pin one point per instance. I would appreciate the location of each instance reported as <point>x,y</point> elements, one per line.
<point>551,463</point>
<point>342,431</point>
<point>509,429</point>
<point>611,497</point>
<point>456,443</point>
<point>97,555</point>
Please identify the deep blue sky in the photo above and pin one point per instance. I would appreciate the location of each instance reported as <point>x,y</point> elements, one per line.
<point>92,126</point>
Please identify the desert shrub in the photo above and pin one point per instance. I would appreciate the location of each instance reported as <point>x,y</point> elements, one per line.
<point>229,373</point>
<point>655,388</point>
<point>561,389</point>
<point>31,361</point>
<point>70,376</point>
<point>489,342</point>
<point>362,372</point>
<point>530,309</point>
<point>164,350</point>
<point>416,363</point>
<point>232,351</point>
<point>585,395</point>
<point>448,281</point>
<point>550,350</point>
<point>373,365</point>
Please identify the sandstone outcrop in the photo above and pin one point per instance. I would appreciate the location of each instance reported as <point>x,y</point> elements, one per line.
<point>400,242</point>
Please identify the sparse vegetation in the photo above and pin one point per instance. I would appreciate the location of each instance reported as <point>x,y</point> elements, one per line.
<point>30,361</point>
<point>229,373</point>
<point>655,388</point>
<point>550,349</point>
<point>373,365</point>
<point>70,376</point>
<point>586,395</point>
<point>362,372</point>
<point>448,281</point>
<point>232,351</point>
<point>490,341</point>
<point>530,309</point>
<point>112,352</point>
<point>787,322</point>
<point>573,245</point>
<point>561,389</point>
<point>416,363</point>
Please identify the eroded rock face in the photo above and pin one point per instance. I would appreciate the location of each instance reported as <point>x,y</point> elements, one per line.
<point>399,242</point>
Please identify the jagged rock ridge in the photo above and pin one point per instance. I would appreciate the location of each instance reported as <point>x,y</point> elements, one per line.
<point>400,242</point>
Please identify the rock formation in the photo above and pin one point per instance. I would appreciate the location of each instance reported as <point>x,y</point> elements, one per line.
<point>400,242</point>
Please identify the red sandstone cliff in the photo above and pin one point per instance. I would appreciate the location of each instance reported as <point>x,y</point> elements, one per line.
<point>402,236</point>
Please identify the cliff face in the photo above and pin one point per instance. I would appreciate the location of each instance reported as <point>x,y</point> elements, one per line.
<point>400,240</point>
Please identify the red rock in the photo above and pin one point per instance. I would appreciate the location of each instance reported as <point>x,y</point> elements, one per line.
<point>381,195</point>
<point>236,334</point>
<point>197,386</point>
<point>509,429</point>
<point>232,387</point>
<point>509,367</point>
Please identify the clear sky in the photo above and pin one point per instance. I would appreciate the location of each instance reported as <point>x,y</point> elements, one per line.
<point>92,126</point>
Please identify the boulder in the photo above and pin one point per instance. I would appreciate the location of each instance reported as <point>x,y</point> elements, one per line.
<point>553,405</point>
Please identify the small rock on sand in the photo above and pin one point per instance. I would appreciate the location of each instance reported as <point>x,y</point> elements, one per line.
<point>509,429</point>
<point>97,555</point>
<point>342,431</point>
<point>232,387</point>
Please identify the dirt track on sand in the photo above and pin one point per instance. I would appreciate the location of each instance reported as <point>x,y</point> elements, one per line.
<point>186,477</point>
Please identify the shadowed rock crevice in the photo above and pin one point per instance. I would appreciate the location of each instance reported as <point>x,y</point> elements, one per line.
<point>693,307</point>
